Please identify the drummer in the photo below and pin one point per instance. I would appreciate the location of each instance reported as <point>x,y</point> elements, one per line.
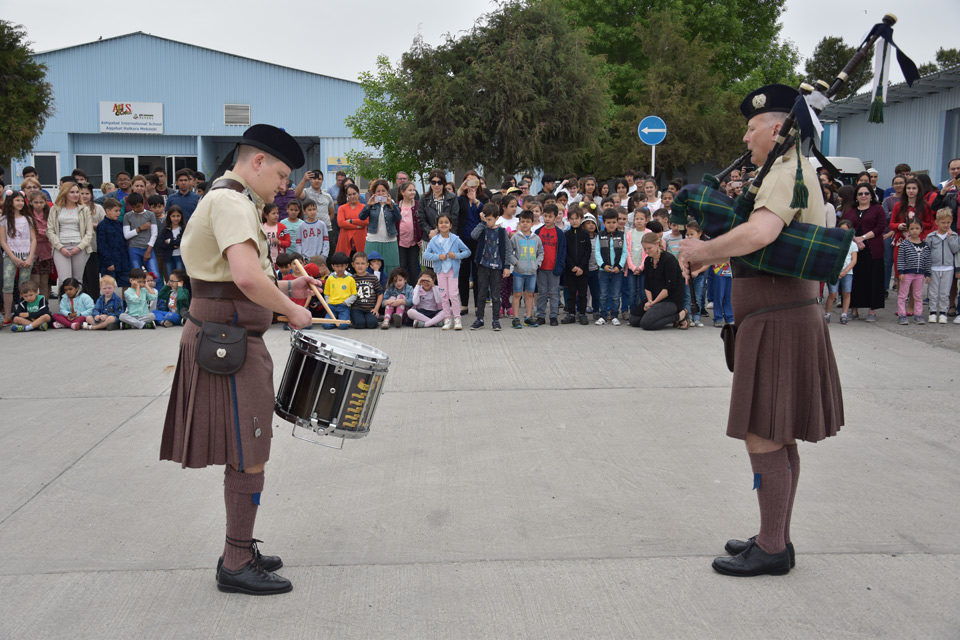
<point>225,419</point>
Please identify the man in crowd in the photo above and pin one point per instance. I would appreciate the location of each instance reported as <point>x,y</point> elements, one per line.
<point>31,172</point>
<point>326,207</point>
<point>185,198</point>
<point>334,190</point>
<point>399,181</point>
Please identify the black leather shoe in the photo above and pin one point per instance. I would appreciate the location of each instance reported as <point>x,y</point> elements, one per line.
<point>754,561</point>
<point>734,547</point>
<point>252,580</point>
<point>267,563</point>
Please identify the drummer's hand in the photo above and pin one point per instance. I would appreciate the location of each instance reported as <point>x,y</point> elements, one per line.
<point>301,286</point>
<point>300,319</point>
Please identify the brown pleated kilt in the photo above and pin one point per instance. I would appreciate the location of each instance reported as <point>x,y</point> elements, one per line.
<point>785,380</point>
<point>215,419</point>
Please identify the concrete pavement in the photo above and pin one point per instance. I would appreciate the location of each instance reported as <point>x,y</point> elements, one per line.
<point>569,482</point>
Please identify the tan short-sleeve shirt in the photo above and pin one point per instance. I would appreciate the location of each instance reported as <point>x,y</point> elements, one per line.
<point>776,192</point>
<point>223,218</point>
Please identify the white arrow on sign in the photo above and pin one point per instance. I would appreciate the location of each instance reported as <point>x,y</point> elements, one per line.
<point>649,130</point>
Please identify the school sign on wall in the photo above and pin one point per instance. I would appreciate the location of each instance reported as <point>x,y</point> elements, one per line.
<point>131,117</point>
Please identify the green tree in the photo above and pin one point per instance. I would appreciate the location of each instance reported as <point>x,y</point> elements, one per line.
<point>27,100</point>
<point>518,91</point>
<point>945,58</point>
<point>382,122</point>
<point>829,57</point>
<point>678,85</point>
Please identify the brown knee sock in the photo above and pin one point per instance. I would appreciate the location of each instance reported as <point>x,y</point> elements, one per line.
<point>773,494</point>
<point>241,495</point>
<point>793,456</point>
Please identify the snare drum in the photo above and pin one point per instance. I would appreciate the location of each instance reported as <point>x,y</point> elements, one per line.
<point>331,384</point>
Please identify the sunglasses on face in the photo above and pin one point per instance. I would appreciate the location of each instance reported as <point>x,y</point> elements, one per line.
<point>435,182</point>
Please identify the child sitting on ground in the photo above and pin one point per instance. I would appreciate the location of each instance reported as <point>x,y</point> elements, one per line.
<point>32,311</point>
<point>397,299</point>
<point>109,306</point>
<point>365,309</point>
<point>74,306</point>
<point>173,300</point>
<point>375,266</point>
<point>138,297</point>
<point>427,310</point>
<point>340,290</point>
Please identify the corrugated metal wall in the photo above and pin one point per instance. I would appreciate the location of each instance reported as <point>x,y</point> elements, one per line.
<point>194,93</point>
<point>912,132</point>
<point>144,145</point>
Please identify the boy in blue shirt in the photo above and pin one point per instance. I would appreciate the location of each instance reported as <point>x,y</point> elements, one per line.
<point>109,306</point>
<point>611,257</point>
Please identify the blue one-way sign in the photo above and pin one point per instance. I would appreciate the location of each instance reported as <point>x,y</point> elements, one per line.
<point>652,130</point>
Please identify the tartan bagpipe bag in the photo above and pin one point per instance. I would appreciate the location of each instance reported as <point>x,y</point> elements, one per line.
<point>805,251</point>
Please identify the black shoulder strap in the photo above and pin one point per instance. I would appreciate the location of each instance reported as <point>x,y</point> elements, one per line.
<point>227,183</point>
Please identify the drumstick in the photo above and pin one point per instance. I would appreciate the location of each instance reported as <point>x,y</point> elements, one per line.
<point>303,272</point>
<point>316,320</point>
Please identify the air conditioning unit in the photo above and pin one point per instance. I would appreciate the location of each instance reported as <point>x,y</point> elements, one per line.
<point>236,114</point>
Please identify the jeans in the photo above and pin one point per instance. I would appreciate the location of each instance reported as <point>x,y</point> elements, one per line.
<point>722,304</point>
<point>340,312</point>
<point>610,284</point>
<point>136,260</point>
<point>593,283</point>
<point>410,261</point>
<point>548,291</point>
<point>635,288</point>
<point>174,262</point>
<point>163,316</point>
<point>361,319</point>
<point>699,295</point>
<point>487,287</point>
<point>887,261</point>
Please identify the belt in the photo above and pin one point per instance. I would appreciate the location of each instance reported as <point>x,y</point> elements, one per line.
<point>207,289</point>
<point>199,323</point>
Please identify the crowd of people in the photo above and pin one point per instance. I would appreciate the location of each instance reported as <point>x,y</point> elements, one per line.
<point>582,250</point>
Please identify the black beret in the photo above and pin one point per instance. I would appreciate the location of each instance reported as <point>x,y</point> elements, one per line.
<point>276,142</point>
<point>773,98</point>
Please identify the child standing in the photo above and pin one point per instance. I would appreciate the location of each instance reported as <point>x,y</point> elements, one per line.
<point>312,235</point>
<point>698,278</point>
<point>74,306</point>
<point>292,222</point>
<point>397,299</point>
<point>43,262</point>
<point>173,300</point>
<point>577,264</point>
<point>277,237</point>
<point>138,297</point>
<point>913,269</point>
<point>446,251</point>
<point>723,304</point>
<point>508,220</point>
<point>493,243</point>
<point>18,239</point>
<point>593,274</point>
<point>32,311</point>
<point>525,259</point>
<point>611,258</point>
<point>554,258</point>
<point>845,283</point>
<point>944,246</point>
<point>635,256</point>
<point>111,245</point>
<point>109,306</point>
<point>340,290</point>
<point>169,243</point>
<point>365,309</point>
<point>141,231</point>
<point>427,310</point>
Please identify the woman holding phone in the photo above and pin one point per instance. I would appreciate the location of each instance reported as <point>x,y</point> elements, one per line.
<point>471,200</point>
<point>384,217</point>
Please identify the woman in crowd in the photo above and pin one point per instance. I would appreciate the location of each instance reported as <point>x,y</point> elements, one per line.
<point>471,201</point>
<point>409,236</point>
<point>436,201</point>
<point>869,224</point>
<point>383,218</point>
<point>662,303</point>
<point>353,230</point>
<point>70,231</point>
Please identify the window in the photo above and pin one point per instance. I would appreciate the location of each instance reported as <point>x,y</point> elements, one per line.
<point>48,168</point>
<point>175,163</point>
<point>93,167</point>
<point>236,114</point>
<point>121,163</point>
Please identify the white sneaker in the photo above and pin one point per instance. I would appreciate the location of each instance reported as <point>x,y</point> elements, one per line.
<point>957,319</point>
<point>457,324</point>
<point>447,324</point>
<point>615,322</point>
<point>932,319</point>
<point>942,319</point>
<point>600,321</point>
<point>709,305</point>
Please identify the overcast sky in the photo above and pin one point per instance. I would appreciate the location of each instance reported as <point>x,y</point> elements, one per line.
<point>342,43</point>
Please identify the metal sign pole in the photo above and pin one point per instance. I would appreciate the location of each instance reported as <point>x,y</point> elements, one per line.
<point>653,160</point>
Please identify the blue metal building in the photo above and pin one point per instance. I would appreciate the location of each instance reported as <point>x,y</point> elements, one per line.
<point>921,127</point>
<point>191,117</point>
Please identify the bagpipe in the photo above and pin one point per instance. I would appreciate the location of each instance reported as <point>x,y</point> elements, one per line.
<point>805,251</point>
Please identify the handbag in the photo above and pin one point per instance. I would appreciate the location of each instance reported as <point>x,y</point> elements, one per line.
<point>221,348</point>
<point>728,333</point>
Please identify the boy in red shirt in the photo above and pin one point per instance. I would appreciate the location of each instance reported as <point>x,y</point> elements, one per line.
<point>554,258</point>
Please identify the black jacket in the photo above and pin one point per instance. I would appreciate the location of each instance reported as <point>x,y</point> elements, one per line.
<point>427,213</point>
<point>579,248</point>
<point>162,247</point>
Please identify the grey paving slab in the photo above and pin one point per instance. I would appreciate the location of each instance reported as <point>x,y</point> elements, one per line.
<point>550,482</point>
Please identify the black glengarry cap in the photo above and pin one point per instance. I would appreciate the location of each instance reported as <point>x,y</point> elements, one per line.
<point>276,142</point>
<point>772,98</point>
